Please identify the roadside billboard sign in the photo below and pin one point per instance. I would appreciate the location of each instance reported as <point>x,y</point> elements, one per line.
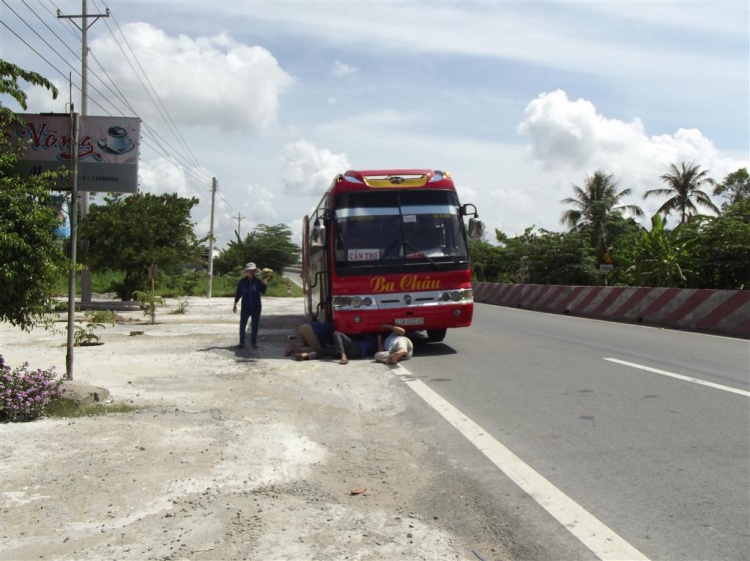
<point>108,150</point>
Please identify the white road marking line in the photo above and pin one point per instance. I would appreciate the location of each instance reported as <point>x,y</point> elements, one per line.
<point>680,377</point>
<point>595,535</point>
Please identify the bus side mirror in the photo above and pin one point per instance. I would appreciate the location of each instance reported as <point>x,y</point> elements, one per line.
<point>318,234</point>
<point>464,209</point>
<point>476,228</point>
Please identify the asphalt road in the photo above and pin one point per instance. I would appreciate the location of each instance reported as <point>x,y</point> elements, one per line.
<point>664,462</point>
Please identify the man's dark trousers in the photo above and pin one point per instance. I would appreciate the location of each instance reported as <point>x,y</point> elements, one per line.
<point>255,317</point>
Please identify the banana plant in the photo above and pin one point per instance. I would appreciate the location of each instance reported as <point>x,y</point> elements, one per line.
<point>659,257</point>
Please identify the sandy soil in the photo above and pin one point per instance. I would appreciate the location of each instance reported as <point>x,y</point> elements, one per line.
<point>232,454</point>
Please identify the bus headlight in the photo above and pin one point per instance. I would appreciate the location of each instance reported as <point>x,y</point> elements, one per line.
<point>341,301</point>
<point>461,295</point>
<point>353,302</point>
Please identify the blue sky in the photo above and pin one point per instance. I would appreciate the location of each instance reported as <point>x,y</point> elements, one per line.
<point>518,100</point>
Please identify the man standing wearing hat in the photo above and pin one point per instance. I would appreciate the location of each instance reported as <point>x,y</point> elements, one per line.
<point>249,289</point>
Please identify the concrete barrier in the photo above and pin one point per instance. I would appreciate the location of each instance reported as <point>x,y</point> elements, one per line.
<point>715,311</point>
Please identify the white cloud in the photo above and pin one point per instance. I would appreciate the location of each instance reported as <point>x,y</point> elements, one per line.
<point>332,101</point>
<point>296,227</point>
<point>210,81</point>
<point>513,31</point>
<point>341,69</point>
<point>309,170</point>
<point>467,194</point>
<point>571,139</point>
<point>158,176</point>
<point>516,199</point>
<point>259,203</point>
<point>39,100</point>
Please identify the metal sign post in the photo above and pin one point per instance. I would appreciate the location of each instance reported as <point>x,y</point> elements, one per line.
<point>153,273</point>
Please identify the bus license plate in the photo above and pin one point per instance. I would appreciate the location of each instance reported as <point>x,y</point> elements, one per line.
<point>409,321</point>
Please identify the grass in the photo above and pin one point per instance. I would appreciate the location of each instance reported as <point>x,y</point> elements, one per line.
<point>166,285</point>
<point>68,408</point>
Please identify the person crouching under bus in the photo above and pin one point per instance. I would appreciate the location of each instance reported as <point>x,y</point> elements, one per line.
<point>345,346</point>
<point>397,346</point>
<point>312,336</point>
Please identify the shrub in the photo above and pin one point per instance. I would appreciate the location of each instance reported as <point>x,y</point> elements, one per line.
<point>25,393</point>
<point>95,319</point>
<point>149,302</point>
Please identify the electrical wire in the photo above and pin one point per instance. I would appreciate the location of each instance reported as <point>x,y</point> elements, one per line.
<point>189,175</point>
<point>120,97</point>
<point>151,97</point>
<point>71,27</point>
<point>166,111</point>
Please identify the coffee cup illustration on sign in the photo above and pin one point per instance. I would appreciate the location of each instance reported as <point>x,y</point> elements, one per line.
<point>116,141</point>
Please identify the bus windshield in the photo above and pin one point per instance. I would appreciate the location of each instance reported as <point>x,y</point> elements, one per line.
<point>392,227</point>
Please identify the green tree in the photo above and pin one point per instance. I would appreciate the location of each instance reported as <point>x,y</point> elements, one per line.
<point>684,191</point>
<point>31,256</point>
<point>658,257</point>
<point>131,232</point>
<point>267,246</point>
<point>736,186</point>
<point>546,257</point>
<point>10,74</point>
<point>486,261</point>
<point>722,255</point>
<point>593,205</point>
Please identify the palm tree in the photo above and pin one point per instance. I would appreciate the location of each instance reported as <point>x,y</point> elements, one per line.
<point>594,203</point>
<point>684,187</point>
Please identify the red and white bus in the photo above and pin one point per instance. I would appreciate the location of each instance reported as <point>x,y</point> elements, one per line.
<point>389,246</point>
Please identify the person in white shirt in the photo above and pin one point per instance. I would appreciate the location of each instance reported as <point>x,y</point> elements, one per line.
<point>396,347</point>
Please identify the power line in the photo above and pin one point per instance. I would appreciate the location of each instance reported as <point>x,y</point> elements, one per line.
<point>190,176</point>
<point>121,99</point>
<point>148,93</point>
<point>71,27</point>
<point>48,27</point>
<point>166,157</point>
<point>166,111</point>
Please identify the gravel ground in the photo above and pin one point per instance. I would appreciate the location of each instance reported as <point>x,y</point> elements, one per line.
<point>232,454</point>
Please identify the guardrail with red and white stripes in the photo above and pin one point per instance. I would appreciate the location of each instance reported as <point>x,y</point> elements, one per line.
<point>717,311</point>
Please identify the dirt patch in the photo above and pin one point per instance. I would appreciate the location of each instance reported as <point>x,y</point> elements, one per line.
<point>233,454</point>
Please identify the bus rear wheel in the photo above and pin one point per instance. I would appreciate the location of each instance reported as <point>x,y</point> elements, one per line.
<point>436,335</point>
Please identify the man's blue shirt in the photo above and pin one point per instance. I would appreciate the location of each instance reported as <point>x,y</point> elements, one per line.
<point>368,344</point>
<point>249,290</point>
<point>323,331</point>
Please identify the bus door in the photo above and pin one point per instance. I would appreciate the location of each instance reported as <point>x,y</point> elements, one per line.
<point>318,280</point>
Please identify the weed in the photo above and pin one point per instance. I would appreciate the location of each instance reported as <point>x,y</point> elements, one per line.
<point>85,336</point>
<point>149,302</point>
<point>71,408</point>
<point>182,306</point>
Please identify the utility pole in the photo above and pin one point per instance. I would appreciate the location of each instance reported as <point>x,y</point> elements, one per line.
<point>214,186</point>
<point>84,27</point>
<point>75,123</point>
<point>239,218</point>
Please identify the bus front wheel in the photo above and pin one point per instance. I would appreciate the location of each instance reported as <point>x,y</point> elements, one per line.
<point>436,335</point>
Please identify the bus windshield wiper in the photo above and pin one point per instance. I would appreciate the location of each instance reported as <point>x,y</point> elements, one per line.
<point>393,245</point>
<point>422,253</point>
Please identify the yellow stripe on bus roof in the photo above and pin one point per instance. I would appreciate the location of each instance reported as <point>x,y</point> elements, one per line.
<point>387,183</point>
